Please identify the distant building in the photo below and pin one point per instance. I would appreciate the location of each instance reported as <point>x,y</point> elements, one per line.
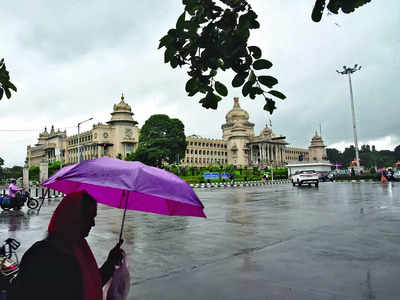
<point>118,137</point>
<point>317,158</point>
<point>238,146</point>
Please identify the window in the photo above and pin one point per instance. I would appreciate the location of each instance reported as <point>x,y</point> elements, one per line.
<point>128,148</point>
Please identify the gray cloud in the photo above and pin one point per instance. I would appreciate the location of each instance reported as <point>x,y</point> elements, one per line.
<point>72,60</point>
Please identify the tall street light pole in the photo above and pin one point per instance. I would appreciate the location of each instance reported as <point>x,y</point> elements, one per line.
<point>79,146</point>
<point>350,71</point>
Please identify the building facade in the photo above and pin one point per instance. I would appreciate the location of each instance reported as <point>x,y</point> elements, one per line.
<point>118,137</point>
<point>238,146</point>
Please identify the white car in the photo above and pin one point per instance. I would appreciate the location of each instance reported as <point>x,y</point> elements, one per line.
<point>305,177</point>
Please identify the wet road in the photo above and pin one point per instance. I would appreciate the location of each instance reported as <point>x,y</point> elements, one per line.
<point>340,241</point>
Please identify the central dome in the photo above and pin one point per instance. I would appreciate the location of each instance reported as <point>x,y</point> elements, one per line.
<point>122,106</point>
<point>317,141</point>
<point>236,113</point>
<point>122,112</point>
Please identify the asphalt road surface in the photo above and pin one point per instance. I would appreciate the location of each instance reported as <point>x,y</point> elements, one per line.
<point>338,241</point>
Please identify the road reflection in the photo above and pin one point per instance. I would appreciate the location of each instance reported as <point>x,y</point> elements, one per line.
<point>15,221</point>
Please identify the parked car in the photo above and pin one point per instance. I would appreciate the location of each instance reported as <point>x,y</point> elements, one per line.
<point>396,175</point>
<point>305,177</point>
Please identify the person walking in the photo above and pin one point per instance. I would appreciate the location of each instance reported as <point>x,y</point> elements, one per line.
<point>62,266</point>
<point>232,178</point>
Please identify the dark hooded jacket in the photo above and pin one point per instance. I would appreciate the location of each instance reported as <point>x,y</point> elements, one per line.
<point>51,268</point>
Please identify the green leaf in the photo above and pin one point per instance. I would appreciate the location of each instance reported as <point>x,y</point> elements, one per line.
<point>268,81</point>
<point>174,62</point>
<point>221,89</point>
<point>169,53</point>
<point>1,93</point>
<point>246,88</point>
<point>180,24</point>
<point>7,91</point>
<point>277,94</point>
<point>262,64</point>
<point>164,41</point>
<point>189,85</point>
<point>270,105</point>
<point>318,10</point>
<point>255,51</point>
<point>192,86</point>
<point>254,25</point>
<point>252,77</point>
<point>256,90</point>
<point>239,79</point>
<point>210,101</point>
<point>11,86</point>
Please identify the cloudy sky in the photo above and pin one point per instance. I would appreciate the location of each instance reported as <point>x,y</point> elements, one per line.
<point>72,59</point>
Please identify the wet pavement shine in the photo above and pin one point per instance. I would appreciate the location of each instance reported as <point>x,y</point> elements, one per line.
<point>338,241</point>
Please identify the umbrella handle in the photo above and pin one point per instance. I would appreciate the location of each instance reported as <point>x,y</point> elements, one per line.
<point>44,196</point>
<point>123,217</point>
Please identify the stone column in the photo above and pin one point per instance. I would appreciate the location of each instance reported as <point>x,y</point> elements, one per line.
<point>279,154</point>
<point>44,170</point>
<point>251,154</point>
<point>25,177</point>
<point>264,149</point>
<point>272,153</point>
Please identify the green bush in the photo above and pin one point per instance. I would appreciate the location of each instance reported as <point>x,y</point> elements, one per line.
<point>54,167</point>
<point>34,172</point>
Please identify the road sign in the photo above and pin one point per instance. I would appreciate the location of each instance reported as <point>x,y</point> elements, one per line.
<point>225,175</point>
<point>214,175</point>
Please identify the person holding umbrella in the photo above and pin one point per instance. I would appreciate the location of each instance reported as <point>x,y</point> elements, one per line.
<point>62,266</point>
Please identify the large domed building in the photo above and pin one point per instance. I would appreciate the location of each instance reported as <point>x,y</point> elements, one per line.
<point>241,147</point>
<point>119,136</point>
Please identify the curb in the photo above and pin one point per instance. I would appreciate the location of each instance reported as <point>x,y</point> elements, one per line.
<point>238,184</point>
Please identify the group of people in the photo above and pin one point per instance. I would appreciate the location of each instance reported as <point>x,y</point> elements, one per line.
<point>387,175</point>
<point>62,265</point>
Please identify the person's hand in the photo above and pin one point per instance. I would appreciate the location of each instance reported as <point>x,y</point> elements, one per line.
<point>116,254</point>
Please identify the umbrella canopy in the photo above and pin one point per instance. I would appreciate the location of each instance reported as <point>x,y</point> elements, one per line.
<point>129,185</point>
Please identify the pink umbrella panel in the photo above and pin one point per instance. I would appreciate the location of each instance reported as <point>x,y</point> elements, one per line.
<point>115,182</point>
<point>129,185</point>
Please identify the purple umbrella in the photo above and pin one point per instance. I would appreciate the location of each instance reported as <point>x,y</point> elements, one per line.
<point>129,185</point>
